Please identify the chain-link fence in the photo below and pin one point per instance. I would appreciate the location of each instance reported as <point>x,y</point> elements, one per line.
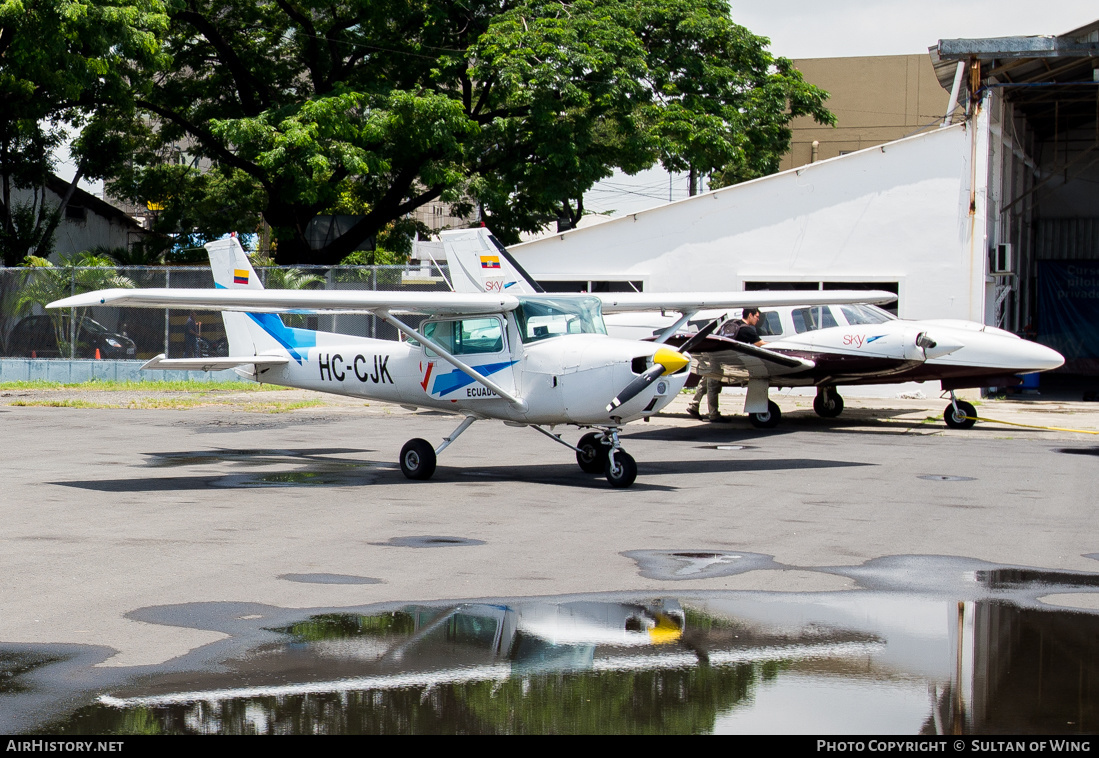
<point>27,330</point>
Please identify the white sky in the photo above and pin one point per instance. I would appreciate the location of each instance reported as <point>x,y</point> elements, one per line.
<point>834,28</point>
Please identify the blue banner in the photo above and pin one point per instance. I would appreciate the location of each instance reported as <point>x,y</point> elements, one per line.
<point>1068,312</point>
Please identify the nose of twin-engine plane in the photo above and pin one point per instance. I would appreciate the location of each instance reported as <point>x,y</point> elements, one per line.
<point>1035,357</point>
<point>990,349</point>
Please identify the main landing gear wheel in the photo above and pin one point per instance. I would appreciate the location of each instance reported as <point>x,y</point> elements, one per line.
<point>962,418</point>
<point>418,459</point>
<point>623,471</point>
<point>768,420</point>
<point>828,404</point>
<point>593,458</point>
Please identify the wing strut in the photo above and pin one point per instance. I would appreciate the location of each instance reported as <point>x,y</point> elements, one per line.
<point>516,402</point>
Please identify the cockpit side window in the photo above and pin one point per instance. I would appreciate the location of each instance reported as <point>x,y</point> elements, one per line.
<point>811,319</point>
<point>770,324</point>
<point>468,336</point>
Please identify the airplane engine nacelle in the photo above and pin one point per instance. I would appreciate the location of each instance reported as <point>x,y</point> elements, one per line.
<point>586,372</point>
<point>905,343</point>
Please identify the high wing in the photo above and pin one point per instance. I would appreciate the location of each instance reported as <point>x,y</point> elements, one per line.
<point>691,302</point>
<point>296,301</point>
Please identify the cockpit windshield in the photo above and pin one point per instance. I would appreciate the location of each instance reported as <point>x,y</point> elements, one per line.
<point>540,318</point>
<point>865,314</point>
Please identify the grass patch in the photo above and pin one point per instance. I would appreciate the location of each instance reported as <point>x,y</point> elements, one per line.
<point>62,404</point>
<point>100,385</point>
<point>176,403</point>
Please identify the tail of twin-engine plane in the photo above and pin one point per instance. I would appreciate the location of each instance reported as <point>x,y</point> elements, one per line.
<point>479,263</point>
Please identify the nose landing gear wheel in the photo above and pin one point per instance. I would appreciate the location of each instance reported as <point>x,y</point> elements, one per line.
<point>964,418</point>
<point>768,420</point>
<point>623,471</point>
<point>828,404</point>
<point>418,459</point>
<point>593,459</point>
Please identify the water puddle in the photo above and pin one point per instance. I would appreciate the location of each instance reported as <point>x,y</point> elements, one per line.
<point>428,541</point>
<point>327,579</point>
<point>926,646</point>
<point>256,457</point>
<point>697,564</point>
<point>1079,450</point>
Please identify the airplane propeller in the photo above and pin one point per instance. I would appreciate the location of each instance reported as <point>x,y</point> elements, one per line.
<point>665,361</point>
<point>935,348</point>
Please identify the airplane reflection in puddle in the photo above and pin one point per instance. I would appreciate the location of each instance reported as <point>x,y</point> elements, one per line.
<point>839,662</point>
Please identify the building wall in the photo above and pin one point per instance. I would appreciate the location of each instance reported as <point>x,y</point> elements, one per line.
<point>84,226</point>
<point>875,99</point>
<point>897,213</point>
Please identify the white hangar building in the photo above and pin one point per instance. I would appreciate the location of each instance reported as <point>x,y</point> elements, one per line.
<point>967,220</point>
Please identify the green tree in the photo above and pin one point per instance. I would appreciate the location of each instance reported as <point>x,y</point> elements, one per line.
<point>64,64</point>
<point>516,107</point>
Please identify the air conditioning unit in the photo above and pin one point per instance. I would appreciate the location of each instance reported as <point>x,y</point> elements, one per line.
<point>1001,260</point>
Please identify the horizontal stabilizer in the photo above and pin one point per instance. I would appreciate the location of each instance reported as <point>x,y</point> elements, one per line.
<point>161,363</point>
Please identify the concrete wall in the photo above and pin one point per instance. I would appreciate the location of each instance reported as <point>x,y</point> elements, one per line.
<point>875,99</point>
<point>73,372</point>
<point>899,212</point>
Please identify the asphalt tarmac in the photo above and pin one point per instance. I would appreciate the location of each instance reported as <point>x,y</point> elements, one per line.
<point>110,512</point>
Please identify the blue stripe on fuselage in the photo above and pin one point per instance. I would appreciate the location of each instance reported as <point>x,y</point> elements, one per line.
<point>295,341</point>
<point>456,379</point>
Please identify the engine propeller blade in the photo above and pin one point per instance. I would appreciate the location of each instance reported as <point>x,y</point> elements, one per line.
<point>665,361</point>
<point>936,347</point>
<point>697,338</point>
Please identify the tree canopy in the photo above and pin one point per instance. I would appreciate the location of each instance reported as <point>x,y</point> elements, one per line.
<point>294,108</point>
<point>64,64</point>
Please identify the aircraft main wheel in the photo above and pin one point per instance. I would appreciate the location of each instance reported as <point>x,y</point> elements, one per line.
<point>593,459</point>
<point>623,472</point>
<point>418,459</point>
<point>768,420</point>
<point>828,404</point>
<point>964,418</point>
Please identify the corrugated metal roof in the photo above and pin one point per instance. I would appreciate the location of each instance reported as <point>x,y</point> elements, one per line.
<point>1052,79</point>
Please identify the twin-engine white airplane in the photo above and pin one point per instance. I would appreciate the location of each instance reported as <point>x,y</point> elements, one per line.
<point>822,344</point>
<point>528,360</point>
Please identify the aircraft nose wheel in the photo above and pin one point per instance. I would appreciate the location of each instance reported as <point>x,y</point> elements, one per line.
<point>768,420</point>
<point>418,459</point>
<point>963,418</point>
<point>593,456</point>
<point>622,470</point>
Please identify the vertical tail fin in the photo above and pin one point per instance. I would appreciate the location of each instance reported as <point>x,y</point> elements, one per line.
<point>253,333</point>
<point>233,270</point>
<point>479,263</point>
<point>231,267</point>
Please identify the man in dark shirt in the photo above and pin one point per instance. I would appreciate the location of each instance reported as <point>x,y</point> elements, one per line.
<point>744,328</point>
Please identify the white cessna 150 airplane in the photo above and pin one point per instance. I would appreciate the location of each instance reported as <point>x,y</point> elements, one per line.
<point>821,344</point>
<point>527,360</point>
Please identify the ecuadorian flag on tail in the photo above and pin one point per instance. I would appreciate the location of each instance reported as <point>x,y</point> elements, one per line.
<point>240,276</point>
<point>490,261</point>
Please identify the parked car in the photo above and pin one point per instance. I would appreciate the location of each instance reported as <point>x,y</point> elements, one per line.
<point>36,336</point>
